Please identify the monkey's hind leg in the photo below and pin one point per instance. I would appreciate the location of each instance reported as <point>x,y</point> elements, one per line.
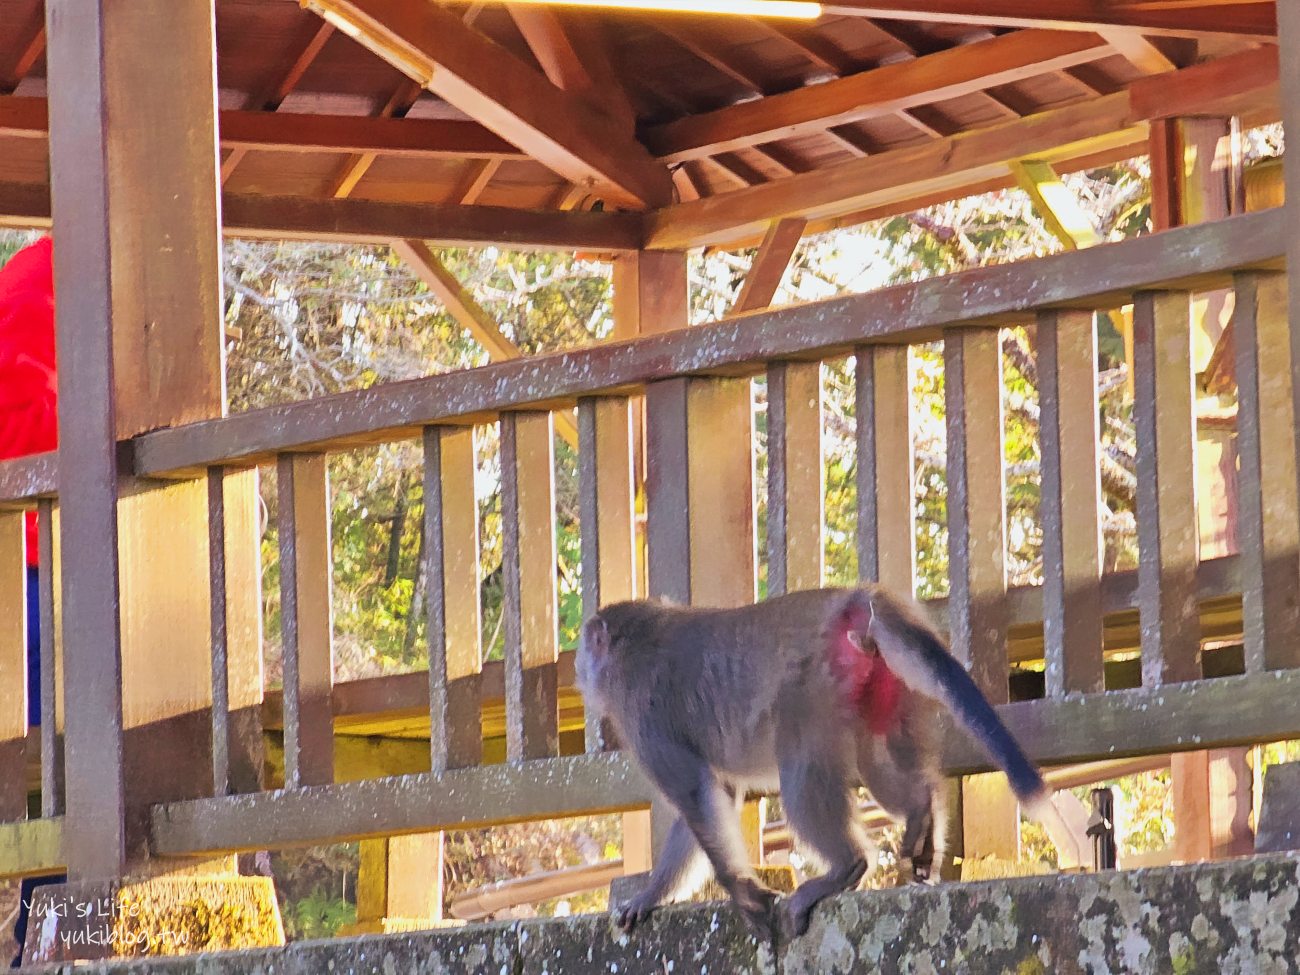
<point>678,872</point>
<point>820,807</point>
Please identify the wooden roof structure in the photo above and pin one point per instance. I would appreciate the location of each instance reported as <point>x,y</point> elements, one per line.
<point>368,119</point>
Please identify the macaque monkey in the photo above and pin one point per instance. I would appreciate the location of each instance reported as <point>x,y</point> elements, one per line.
<point>811,694</point>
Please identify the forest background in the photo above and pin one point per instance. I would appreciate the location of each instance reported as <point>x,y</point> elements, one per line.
<point>314,319</point>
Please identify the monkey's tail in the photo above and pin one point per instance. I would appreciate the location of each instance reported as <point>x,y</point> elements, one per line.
<point>922,661</point>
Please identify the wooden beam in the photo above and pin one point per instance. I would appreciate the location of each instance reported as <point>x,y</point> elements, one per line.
<point>267,131</point>
<point>870,94</point>
<point>1114,122</point>
<point>1056,205</point>
<point>462,306</point>
<point>29,51</point>
<point>1139,51</point>
<point>373,221</point>
<point>488,83</point>
<point>1248,21</point>
<point>769,265</point>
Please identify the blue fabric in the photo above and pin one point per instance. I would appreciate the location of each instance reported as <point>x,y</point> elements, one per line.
<point>33,650</point>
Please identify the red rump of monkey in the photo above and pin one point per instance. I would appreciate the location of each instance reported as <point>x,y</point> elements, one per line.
<point>871,688</point>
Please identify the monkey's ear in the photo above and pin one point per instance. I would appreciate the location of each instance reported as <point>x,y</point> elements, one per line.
<point>595,636</point>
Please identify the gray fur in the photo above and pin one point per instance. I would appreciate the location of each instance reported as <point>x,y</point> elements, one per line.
<point>715,703</point>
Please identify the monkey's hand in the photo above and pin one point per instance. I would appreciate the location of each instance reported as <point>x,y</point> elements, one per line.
<point>635,912</point>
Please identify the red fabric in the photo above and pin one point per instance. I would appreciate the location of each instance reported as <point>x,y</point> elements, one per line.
<point>28,392</point>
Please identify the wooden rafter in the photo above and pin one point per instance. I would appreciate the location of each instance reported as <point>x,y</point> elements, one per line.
<point>1248,21</point>
<point>1059,209</point>
<point>276,93</point>
<point>1116,122</point>
<point>476,179</point>
<point>481,78</point>
<point>870,94</point>
<point>357,165</point>
<point>573,61</point>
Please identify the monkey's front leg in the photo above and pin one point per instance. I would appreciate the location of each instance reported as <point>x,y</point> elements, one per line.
<point>678,872</point>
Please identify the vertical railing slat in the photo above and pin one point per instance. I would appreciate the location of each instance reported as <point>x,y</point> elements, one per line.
<point>528,567</point>
<point>53,783</point>
<point>13,666</point>
<point>1071,498</point>
<point>885,474</point>
<point>306,620</point>
<point>1267,513</point>
<point>795,477</point>
<point>220,645</point>
<point>977,506</point>
<point>606,513</point>
<point>1166,488</point>
<point>451,557</point>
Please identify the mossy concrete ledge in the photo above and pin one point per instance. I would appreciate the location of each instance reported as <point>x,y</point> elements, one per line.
<point>1235,917</point>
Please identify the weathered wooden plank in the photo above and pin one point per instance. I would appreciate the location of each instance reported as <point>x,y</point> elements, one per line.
<point>1289,33</point>
<point>33,847</point>
<point>1270,526</point>
<point>217,598</point>
<point>457,799</point>
<point>306,619</point>
<point>977,604</point>
<point>13,666</point>
<point>886,513</point>
<point>1099,276</point>
<point>25,478</point>
<point>1166,486</point>
<point>1071,499</point>
<point>528,570</point>
<point>451,567</point>
<point>795,477</point>
<point>606,513</point>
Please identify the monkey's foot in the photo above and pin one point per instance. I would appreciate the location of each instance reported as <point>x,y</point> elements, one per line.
<point>756,903</point>
<point>797,910</point>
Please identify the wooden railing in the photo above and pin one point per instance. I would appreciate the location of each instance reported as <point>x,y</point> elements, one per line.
<point>698,433</point>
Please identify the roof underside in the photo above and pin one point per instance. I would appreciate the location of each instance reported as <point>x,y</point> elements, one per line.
<point>686,107</point>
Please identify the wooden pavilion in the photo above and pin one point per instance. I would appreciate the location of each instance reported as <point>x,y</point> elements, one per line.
<point>141,130</point>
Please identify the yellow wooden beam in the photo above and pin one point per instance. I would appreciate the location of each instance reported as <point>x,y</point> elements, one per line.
<point>1058,207</point>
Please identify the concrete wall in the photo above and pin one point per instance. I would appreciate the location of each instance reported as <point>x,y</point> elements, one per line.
<point>1234,917</point>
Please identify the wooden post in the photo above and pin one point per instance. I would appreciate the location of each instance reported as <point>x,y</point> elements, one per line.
<point>1196,176</point>
<point>399,884</point>
<point>650,295</point>
<point>123,195</point>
